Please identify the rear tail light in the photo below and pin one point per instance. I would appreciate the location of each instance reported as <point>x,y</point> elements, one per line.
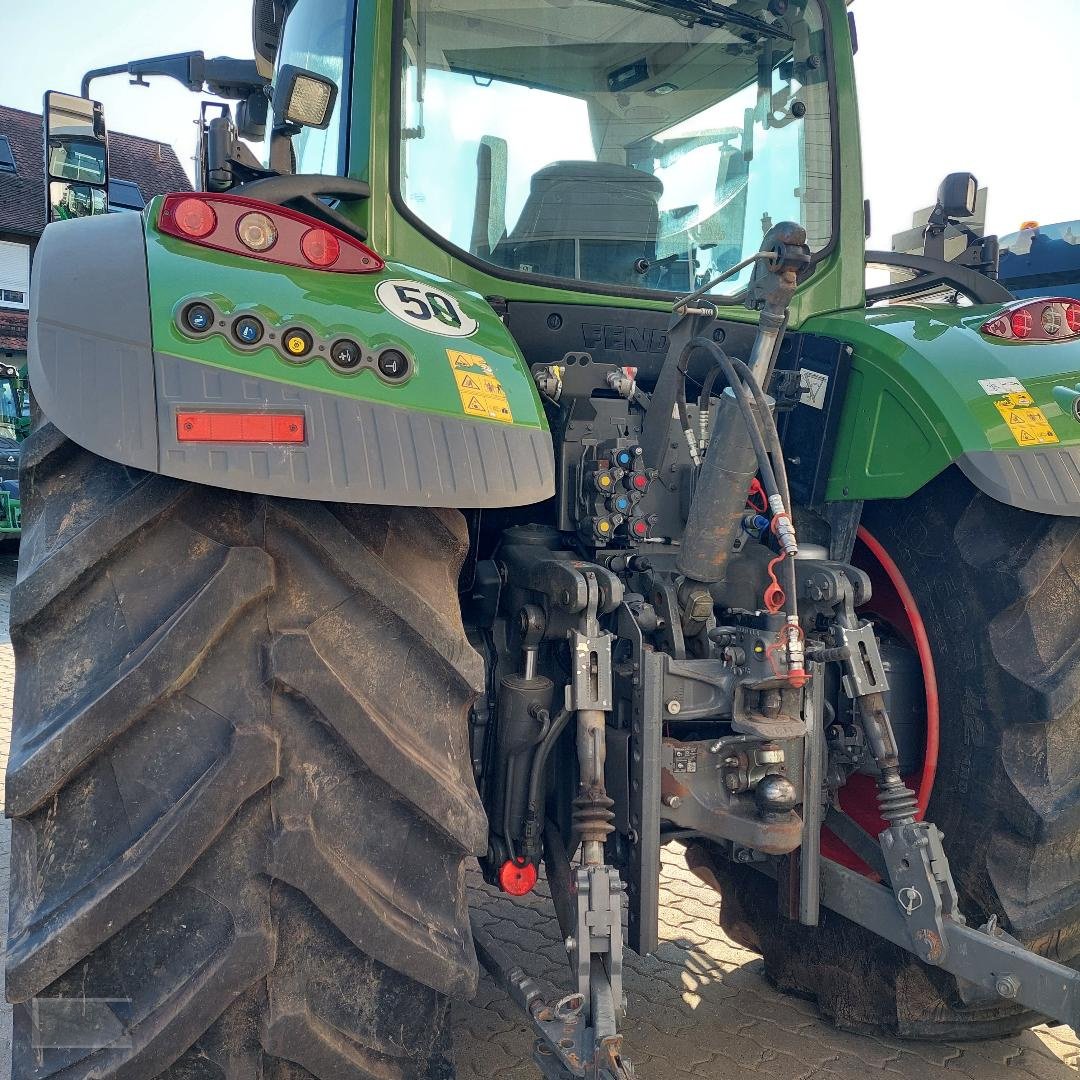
<point>1055,318</point>
<point>320,247</point>
<point>194,218</point>
<point>264,231</point>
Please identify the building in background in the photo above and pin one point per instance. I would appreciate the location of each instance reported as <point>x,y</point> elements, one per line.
<point>139,169</point>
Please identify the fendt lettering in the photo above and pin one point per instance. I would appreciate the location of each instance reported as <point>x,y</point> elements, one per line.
<point>628,339</point>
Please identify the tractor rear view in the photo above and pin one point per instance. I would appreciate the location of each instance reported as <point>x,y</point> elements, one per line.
<point>505,463</point>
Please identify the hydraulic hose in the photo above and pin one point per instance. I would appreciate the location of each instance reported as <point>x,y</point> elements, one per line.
<point>771,459</point>
<point>536,776</point>
<point>743,400</point>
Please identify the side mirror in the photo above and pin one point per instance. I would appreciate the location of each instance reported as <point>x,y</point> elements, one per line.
<point>303,98</point>
<point>76,157</point>
<point>956,195</point>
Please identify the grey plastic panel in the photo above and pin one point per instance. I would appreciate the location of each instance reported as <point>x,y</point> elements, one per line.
<point>1046,481</point>
<point>356,451</point>
<point>89,356</point>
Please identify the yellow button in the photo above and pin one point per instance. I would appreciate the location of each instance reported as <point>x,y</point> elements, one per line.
<point>296,344</point>
<point>603,527</point>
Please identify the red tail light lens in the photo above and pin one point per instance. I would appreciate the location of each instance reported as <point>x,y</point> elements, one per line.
<point>320,247</point>
<point>263,231</point>
<point>1020,321</point>
<point>1054,318</point>
<point>195,218</point>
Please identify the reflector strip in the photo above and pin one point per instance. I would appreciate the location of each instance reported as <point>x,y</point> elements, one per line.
<point>235,427</point>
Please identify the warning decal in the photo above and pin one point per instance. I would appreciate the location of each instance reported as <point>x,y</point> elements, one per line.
<point>1027,424</point>
<point>480,391</point>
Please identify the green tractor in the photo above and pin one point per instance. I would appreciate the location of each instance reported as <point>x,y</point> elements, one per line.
<point>14,427</point>
<point>510,462</point>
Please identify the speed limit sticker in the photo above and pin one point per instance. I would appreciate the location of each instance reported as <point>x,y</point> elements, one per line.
<point>425,307</point>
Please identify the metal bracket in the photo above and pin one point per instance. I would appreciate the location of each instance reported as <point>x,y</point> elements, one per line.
<point>598,933</point>
<point>923,886</point>
<point>864,672</point>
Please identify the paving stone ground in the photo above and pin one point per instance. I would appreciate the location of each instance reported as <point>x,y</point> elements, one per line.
<point>700,1009</point>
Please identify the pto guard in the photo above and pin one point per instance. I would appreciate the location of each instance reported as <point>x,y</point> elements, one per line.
<point>927,390</point>
<point>109,368</point>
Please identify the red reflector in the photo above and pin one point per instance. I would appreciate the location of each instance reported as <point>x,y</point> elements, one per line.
<point>517,878</point>
<point>240,427</point>
<point>641,482</point>
<point>320,247</point>
<point>195,218</point>
<point>1020,321</point>
<point>1072,317</point>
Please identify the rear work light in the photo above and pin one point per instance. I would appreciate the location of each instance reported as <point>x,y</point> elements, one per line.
<point>1053,318</point>
<point>264,231</point>
<point>239,427</point>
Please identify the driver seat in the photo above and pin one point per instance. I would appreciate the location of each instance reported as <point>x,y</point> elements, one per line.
<point>590,220</point>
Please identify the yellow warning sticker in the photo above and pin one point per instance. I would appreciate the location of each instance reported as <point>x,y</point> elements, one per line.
<point>481,392</point>
<point>1026,422</point>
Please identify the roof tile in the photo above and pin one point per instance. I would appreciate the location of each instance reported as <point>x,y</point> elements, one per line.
<point>152,165</point>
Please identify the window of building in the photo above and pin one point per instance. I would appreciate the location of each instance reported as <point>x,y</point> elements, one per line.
<point>14,274</point>
<point>7,156</point>
<point>125,195</point>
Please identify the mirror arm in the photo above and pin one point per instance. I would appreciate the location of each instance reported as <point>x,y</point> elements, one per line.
<point>223,75</point>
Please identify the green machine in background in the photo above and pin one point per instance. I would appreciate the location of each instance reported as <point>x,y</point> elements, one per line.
<point>14,427</point>
<point>508,460</point>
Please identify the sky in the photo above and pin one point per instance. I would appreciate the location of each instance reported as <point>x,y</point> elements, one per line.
<point>986,86</point>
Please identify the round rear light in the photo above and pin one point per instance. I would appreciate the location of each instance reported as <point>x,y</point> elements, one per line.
<point>257,231</point>
<point>1051,320</point>
<point>195,218</point>
<point>1021,323</point>
<point>1072,317</point>
<point>320,247</point>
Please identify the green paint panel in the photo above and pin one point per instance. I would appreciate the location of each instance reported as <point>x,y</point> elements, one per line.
<point>329,305</point>
<point>915,404</point>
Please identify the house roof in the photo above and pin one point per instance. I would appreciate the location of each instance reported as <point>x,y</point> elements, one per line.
<point>151,164</point>
<point>13,326</point>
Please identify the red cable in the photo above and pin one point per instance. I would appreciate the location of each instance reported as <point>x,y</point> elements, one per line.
<point>926,658</point>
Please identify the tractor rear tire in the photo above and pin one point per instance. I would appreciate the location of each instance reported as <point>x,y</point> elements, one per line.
<point>998,590</point>
<point>240,782</point>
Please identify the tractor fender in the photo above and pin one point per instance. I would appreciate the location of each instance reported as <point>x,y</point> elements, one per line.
<point>927,389</point>
<point>110,368</point>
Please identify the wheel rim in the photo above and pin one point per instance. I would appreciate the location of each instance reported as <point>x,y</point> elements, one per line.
<point>893,601</point>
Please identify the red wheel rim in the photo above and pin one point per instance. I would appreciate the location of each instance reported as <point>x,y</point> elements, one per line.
<point>894,601</point>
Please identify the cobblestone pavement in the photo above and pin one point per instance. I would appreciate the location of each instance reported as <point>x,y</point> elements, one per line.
<point>700,1008</point>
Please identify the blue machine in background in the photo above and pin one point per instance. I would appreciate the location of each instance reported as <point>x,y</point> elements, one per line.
<point>1042,260</point>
